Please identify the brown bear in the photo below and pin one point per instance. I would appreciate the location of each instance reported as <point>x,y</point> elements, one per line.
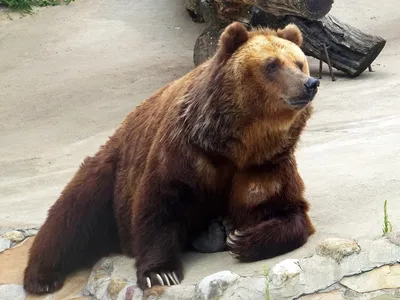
<point>219,141</point>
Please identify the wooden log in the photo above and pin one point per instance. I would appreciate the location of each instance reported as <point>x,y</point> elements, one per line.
<point>308,9</point>
<point>350,50</point>
<point>217,14</point>
<point>217,17</point>
<point>193,8</point>
<point>206,44</point>
<point>233,10</point>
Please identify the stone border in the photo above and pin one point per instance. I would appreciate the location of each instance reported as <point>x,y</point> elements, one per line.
<point>11,238</point>
<point>339,269</point>
<point>334,269</point>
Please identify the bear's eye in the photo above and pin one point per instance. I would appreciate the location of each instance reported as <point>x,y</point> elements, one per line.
<point>300,65</point>
<point>271,66</point>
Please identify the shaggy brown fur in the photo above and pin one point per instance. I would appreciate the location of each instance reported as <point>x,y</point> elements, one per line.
<point>219,141</point>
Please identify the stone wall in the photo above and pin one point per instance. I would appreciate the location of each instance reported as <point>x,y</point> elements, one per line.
<point>338,269</point>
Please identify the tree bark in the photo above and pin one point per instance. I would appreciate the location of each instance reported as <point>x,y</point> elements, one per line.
<point>217,16</point>
<point>206,44</point>
<point>308,9</point>
<point>350,50</point>
<point>232,10</point>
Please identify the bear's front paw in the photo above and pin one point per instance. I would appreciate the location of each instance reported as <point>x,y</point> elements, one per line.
<point>243,245</point>
<point>236,243</point>
<point>148,279</point>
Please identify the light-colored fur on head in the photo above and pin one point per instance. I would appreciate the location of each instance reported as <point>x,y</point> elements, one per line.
<point>235,104</point>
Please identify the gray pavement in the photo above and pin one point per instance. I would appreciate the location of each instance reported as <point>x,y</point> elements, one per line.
<point>70,74</point>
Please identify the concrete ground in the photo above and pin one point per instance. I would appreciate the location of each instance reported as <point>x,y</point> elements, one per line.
<point>70,74</point>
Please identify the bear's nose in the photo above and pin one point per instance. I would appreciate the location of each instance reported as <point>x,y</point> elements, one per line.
<point>311,84</point>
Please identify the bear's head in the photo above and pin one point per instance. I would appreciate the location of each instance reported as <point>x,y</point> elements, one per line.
<point>268,69</point>
<point>254,89</point>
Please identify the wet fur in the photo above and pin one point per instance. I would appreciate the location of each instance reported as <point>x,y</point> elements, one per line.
<point>192,151</point>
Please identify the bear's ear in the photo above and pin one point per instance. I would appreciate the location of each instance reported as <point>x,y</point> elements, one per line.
<point>233,36</point>
<point>291,33</point>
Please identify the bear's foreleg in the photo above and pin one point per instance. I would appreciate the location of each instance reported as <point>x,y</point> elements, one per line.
<point>161,223</point>
<point>272,237</point>
<point>270,212</point>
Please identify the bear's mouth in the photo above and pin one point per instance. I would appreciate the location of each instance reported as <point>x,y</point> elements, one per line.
<point>299,103</point>
<point>303,101</point>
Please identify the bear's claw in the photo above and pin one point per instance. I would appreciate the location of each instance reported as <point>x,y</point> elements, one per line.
<point>235,243</point>
<point>148,282</point>
<point>234,237</point>
<point>233,255</point>
<point>159,279</point>
<point>231,240</point>
<point>168,278</point>
<point>239,233</point>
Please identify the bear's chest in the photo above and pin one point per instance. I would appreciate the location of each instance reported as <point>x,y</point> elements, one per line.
<point>251,188</point>
<point>214,175</point>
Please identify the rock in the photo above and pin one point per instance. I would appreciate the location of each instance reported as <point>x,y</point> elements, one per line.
<point>4,244</point>
<point>337,248</point>
<point>30,232</point>
<point>382,252</point>
<point>284,279</point>
<point>113,277</point>
<point>334,295</point>
<point>181,292</point>
<point>247,288</point>
<point>394,237</point>
<point>14,236</point>
<point>284,271</point>
<point>321,272</point>
<point>384,297</point>
<point>4,230</point>
<point>115,286</point>
<point>12,291</point>
<point>386,277</point>
<point>226,285</point>
<point>131,292</point>
<point>213,286</point>
<point>99,279</point>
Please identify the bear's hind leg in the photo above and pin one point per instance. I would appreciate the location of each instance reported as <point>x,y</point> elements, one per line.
<point>79,229</point>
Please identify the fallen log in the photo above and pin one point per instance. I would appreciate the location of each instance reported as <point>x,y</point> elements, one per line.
<point>308,9</point>
<point>206,44</point>
<point>349,49</point>
<point>232,10</point>
<point>338,44</point>
<point>217,14</point>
